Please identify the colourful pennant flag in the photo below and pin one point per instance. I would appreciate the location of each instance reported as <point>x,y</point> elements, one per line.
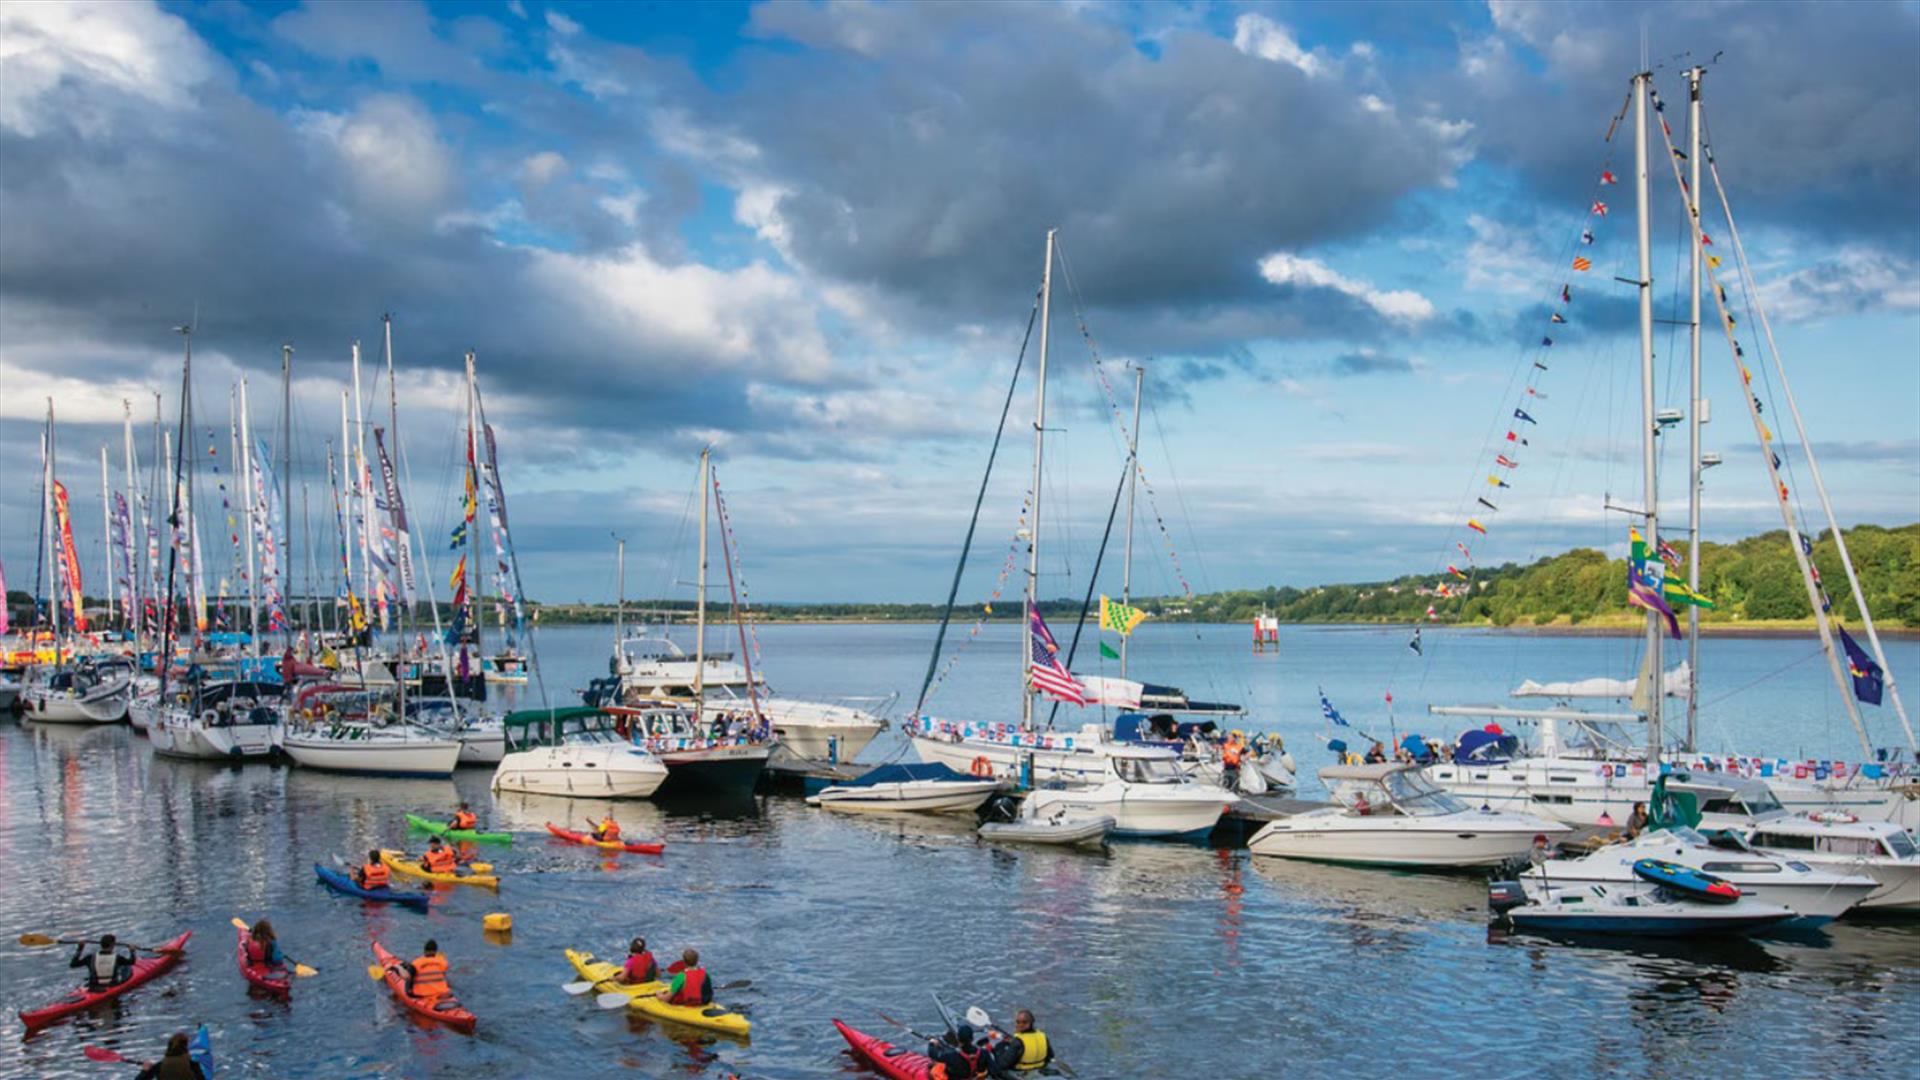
<point>1582,263</point>
<point>1496,481</point>
<point>1489,506</point>
<point>1713,261</point>
<point>1586,236</point>
<point>1506,462</point>
<point>1607,177</point>
<point>1566,294</point>
<point>1521,414</point>
<point>1476,526</point>
<point>1557,317</point>
<point>1119,618</point>
<point>1546,342</point>
<point>1599,208</point>
<point>1456,572</point>
<point>1106,650</point>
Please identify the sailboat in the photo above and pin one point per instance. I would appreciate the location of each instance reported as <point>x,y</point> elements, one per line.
<point>1585,767</point>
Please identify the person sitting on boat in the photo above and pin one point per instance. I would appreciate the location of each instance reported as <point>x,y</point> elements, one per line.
<point>178,1064</point>
<point>439,858</point>
<point>463,818</point>
<point>607,831</point>
<point>1377,754</point>
<point>640,966</point>
<point>959,1054</point>
<point>427,973</point>
<point>690,985</point>
<point>1025,1050</point>
<point>1637,822</point>
<point>373,874</point>
<point>1230,754</point>
<point>109,964</point>
<point>263,947</point>
<point>1360,805</point>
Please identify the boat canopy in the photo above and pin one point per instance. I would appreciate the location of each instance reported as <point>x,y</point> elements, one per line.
<point>1158,727</point>
<point>907,773</point>
<point>1482,747</point>
<point>529,728</point>
<point>213,693</point>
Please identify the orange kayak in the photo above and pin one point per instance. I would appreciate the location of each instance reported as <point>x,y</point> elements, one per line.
<point>611,845</point>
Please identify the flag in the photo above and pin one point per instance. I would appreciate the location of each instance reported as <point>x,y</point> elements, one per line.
<point>1557,317</point>
<point>67,560</point>
<point>1637,545</point>
<point>1868,680</point>
<point>1415,646</point>
<point>1607,177</point>
<point>1546,341</point>
<point>1456,572</point>
<point>1332,714</point>
<point>1671,555</point>
<point>1644,584</point>
<point>1506,462</point>
<point>1532,393</point>
<point>1678,594</point>
<point>1599,208</point>
<point>458,580</point>
<point>1489,506</point>
<point>1520,414</point>
<point>1495,481</point>
<point>1705,240</point>
<point>1582,263</point>
<point>1432,614</point>
<point>1464,553</point>
<point>1119,618</point>
<point>1106,650</point>
<point>1514,437</point>
<point>1586,236</point>
<point>1044,669</point>
<point>1476,526</point>
<point>1713,262</point>
<point>1566,294</point>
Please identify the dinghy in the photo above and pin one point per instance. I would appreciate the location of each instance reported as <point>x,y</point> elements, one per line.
<point>1058,827</point>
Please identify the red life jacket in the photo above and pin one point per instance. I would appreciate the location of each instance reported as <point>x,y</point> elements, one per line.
<point>641,968</point>
<point>375,876</point>
<point>257,951</point>
<point>464,820</point>
<point>440,860</point>
<point>694,989</point>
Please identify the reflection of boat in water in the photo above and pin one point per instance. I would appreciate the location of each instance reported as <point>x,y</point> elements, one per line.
<point>1408,896</point>
<point>1389,815</point>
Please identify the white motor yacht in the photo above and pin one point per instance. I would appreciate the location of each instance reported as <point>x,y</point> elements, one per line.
<point>576,753</point>
<point>921,788</point>
<point>1144,790</point>
<point>1390,815</point>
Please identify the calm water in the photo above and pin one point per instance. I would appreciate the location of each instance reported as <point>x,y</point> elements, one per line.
<point>1152,959</point>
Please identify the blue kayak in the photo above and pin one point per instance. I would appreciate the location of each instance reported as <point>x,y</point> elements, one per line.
<point>1687,881</point>
<point>201,1051</point>
<point>340,882</point>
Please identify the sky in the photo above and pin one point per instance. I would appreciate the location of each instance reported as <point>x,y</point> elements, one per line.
<point>810,236</point>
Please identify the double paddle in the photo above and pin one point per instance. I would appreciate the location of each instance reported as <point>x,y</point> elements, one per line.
<point>299,968</point>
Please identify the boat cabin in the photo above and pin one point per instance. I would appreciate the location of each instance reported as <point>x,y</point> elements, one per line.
<point>1392,788</point>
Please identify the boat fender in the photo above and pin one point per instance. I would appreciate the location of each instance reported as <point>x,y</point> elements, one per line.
<point>981,767</point>
<point>210,718</point>
<point>1834,817</point>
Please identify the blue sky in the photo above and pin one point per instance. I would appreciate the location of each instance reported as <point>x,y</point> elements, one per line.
<point>809,235</point>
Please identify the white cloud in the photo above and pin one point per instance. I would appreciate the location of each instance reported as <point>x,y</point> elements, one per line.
<point>542,167</point>
<point>1282,268</point>
<point>133,49</point>
<point>1853,279</point>
<point>1503,259</point>
<point>1257,35</point>
<point>391,155</point>
<point>562,25</point>
<point>623,208</point>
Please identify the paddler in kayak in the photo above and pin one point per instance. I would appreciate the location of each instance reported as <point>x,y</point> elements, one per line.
<point>640,966</point>
<point>463,818</point>
<point>264,948</point>
<point>607,831</point>
<point>427,973</point>
<point>439,859</point>
<point>109,964</point>
<point>690,985</point>
<point>178,1064</point>
<point>1026,1049</point>
<point>373,875</point>
<point>960,1055</point>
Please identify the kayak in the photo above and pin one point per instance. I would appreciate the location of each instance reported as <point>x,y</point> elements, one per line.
<point>145,969</point>
<point>201,1051</point>
<point>1687,881</point>
<point>260,976</point>
<point>445,1009</point>
<point>396,861</point>
<point>573,837</point>
<point>894,1061</point>
<point>441,828</point>
<point>343,883</point>
<point>641,999</point>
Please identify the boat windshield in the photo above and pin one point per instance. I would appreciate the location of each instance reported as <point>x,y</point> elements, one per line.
<point>1901,845</point>
<point>1147,770</point>
<point>1416,796</point>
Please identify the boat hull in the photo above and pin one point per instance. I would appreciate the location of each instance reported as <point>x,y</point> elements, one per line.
<point>183,737</point>
<point>1337,838</point>
<point>1135,814</point>
<point>943,797</point>
<point>609,771</point>
<point>423,757</point>
<point>1089,831</point>
<point>721,772</point>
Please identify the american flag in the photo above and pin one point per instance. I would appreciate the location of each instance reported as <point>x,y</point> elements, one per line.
<point>1048,674</point>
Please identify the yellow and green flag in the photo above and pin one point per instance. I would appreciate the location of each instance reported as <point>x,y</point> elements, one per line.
<point>1120,618</point>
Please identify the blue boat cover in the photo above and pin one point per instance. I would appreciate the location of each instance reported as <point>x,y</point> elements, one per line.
<point>1416,747</point>
<point>900,774</point>
<point>1158,727</point>
<point>1485,748</point>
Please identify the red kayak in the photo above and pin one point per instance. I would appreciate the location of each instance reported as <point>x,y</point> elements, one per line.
<point>611,845</point>
<point>901,1064</point>
<point>261,976</point>
<point>444,1009</point>
<point>145,969</point>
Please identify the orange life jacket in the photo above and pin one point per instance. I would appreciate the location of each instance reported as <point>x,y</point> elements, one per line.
<point>375,876</point>
<point>465,820</point>
<point>1230,755</point>
<point>608,830</point>
<point>430,976</point>
<point>441,860</point>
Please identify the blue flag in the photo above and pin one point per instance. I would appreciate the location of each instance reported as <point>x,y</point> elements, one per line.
<point>1521,414</point>
<point>1868,680</point>
<point>1327,710</point>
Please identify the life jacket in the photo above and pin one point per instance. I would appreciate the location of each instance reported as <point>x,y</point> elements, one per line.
<point>105,963</point>
<point>607,830</point>
<point>440,860</point>
<point>430,977</point>
<point>176,1067</point>
<point>259,952</point>
<point>1034,1051</point>
<point>641,967</point>
<point>375,876</point>
<point>695,989</point>
<point>465,820</point>
<point>1230,755</point>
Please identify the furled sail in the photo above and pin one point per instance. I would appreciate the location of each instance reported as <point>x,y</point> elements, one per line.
<point>1677,681</point>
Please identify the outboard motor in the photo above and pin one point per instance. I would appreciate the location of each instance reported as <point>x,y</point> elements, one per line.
<point>1504,896</point>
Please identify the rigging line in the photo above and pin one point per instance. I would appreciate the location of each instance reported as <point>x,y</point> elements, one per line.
<point>1093,580</point>
<point>1744,687</point>
<point>966,546</point>
<point>530,624</point>
<point>1199,556</point>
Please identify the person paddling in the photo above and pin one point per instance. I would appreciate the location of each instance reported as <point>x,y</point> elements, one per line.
<point>463,818</point>
<point>439,859</point>
<point>958,1053</point>
<point>427,973</point>
<point>264,948</point>
<point>178,1064</point>
<point>109,964</point>
<point>608,830</point>
<point>1027,1050</point>
<point>374,874</point>
<point>640,966</point>
<point>690,985</point>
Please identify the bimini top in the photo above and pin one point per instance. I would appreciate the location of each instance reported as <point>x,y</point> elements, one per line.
<point>1159,727</point>
<point>1481,747</point>
<point>907,773</point>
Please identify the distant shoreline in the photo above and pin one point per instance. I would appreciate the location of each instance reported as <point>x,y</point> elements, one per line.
<point>1787,629</point>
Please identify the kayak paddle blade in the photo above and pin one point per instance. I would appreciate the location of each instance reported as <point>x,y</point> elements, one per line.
<point>978,1017</point>
<point>575,989</point>
<point>101,1053</point>
<point>304,971</point>
<point>239,923</point>
<point>376,972</point>
<point>611,1000</point>
<point>480,867</point>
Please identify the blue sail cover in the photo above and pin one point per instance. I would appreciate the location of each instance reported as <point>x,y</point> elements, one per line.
<point>1485,748</point>
<point>901,774</point>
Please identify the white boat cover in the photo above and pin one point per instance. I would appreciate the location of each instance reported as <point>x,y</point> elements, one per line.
<point>1676,686</point>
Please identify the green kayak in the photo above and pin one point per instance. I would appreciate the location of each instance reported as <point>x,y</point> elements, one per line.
<point>439,828</point>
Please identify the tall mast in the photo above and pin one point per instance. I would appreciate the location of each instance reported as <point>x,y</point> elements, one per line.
<point>360,484</point>
<point>1695,405</point>
<point>402,558</point>
<point>54,586</point>
<point>306,529</point>
<point>245,469</point>
<point>154,489</point>
<point>1033,538</point>
<point>180,457</point>
<point>286,485</point>
<point>620,594</point>
<point>1648,424</point>
<point>476,586</point>
<point>1133,477</point>
<point>106,529</point>
<point>134,541</point>
<point>700,598</point>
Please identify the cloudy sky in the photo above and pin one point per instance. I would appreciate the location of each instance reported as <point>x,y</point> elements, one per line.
<point>810,236</point>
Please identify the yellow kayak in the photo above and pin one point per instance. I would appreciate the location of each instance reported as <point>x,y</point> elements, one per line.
<point>395,861</point>
<point>640,998</point>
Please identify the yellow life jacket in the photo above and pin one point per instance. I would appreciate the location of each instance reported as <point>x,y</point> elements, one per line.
<point>1033,1049</point>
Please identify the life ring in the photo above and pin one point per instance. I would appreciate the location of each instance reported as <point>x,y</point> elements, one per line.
<point>1833,817</point>
<point>981,767</point>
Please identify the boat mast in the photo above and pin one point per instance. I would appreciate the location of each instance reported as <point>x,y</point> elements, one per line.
<point>476,587</point>
<point>1025,636</point>
<point>1648,423</point>
<point>361,485</point>
<point>1695,406</point>
<point>54,587</point>
<point>620,595</point>
<point>1133,478</point>
<point>133,541</point>
<point>244,470</point>
<point>106,530</point>
<point>286,486</point>
<point>700,598</point>
<point>345,519</point>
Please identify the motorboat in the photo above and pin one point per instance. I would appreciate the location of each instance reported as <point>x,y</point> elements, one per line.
<point>481,735</point>
<point>339,728</point>
<point>709,753</point>
<point>1390,815</point>
<point>1639,910</point>
<point>1057,827</point>
<point>1144,790</point>
<point>818,730</point>
<point>1265,766</point>
<point>505,667</point>
<point>224,720</point>
<point>576,753</point>
<point>9,694</point>
<point>1815,895</point>
<point>92,690</point>
<point>907,788</point>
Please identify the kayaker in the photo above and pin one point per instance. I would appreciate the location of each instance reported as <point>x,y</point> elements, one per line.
<point>640,966</point>
<point>177,1064</point>
<point>957,1052</point>
<point>608,830</point>
<point>109,964</point>
<point>1035,1049</point>
<point>427,973</point>
<point>373,875</point>
<point>690,985</point>
<point>463,818</point>
<point>263,947</point>
<point>439,858</point>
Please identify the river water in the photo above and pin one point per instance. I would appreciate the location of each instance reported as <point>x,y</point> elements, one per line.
<point>1150,959</point>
